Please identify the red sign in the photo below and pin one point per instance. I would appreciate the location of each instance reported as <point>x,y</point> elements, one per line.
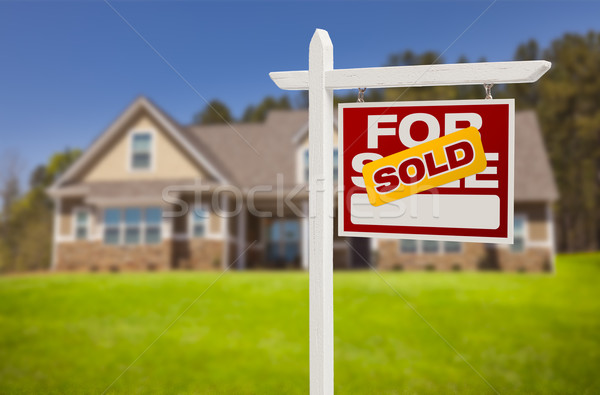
<point>478,207</point>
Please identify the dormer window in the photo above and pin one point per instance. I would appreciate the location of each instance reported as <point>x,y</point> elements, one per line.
<point>305,164</point>
<point>141,151</point>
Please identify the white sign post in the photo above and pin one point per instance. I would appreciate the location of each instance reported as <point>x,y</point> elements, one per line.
<point>321,80</point>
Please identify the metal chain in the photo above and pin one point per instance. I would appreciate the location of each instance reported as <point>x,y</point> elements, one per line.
<point>361,95</point>
<point>488,91</point>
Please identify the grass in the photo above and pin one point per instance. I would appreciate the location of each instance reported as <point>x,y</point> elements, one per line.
<point>249,332</point>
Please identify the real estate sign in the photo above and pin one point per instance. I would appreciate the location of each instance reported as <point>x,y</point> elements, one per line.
<point>439,170</point>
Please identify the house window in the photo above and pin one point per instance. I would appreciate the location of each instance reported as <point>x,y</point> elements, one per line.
<point>81,225</point>
<point>335,164</point>
<point>519,234</point>
<point>431,246</point>
<point>199,222</point>
<point>112,226</point>
<point>408,246</point>
<point>305,164</point>
<point>133,225</point>
<point>153,222</point>
<point>452,247</point>
<point>141,147</point>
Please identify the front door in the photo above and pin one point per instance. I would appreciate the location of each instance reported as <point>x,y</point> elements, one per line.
<point>283,245</point>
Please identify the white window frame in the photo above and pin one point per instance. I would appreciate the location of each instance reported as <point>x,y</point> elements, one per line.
<point>441,250</point>
<point>130,152</point>
<point>301,173</point>
<point>438,251</point>
<point>417,250</point>
<point>145,226</point>
<point>191,223</point>
<point>525,234</point>
<point>88,224</point>
<point>460,247</point>
<point>126,226</point>
<point>122,226</point>
<point>118,226</point>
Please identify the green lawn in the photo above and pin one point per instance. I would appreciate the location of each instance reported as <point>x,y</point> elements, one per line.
<point>249,332</point>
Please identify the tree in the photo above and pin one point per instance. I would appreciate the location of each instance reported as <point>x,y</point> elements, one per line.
<point>27,227</point>
<point>568,108</point>
<point>11,167</point>
<point>410,58</point>
<point>527,94</point>
<point>214,112</point>
<point>566,101</point>
<point>259,113</point>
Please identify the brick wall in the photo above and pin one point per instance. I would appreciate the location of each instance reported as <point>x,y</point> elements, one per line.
<point>198,254</point>
<point>96,256</point>
<point>390,258</point>
<point>474,256</point>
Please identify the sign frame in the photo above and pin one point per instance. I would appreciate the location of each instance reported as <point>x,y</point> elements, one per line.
<point>321,79</point>
<point>411,236</point>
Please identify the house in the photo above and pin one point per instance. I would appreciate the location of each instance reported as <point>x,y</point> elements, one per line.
<point>151,194</point>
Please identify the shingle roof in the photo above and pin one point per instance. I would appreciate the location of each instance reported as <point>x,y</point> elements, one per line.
<point>253,154</point>
<point>534,180</point>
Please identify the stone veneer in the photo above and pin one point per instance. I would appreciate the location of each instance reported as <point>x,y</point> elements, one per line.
<point>198,254</point>
<point>97,256</point>
<point>474,256</point>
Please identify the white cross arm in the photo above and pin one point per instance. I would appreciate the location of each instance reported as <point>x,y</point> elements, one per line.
<point>416,76</point>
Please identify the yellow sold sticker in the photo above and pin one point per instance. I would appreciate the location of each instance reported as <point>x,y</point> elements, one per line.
<point>425,166</point>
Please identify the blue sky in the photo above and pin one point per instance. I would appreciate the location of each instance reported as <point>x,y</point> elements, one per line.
<point>68,68</point>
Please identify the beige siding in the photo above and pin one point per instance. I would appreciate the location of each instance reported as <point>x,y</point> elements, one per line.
<point>304,143</point>
<point>182,224</point>
<point>302,146</point>
<point>65,227</point>
<point>537,224</point>
<point>169,161</point>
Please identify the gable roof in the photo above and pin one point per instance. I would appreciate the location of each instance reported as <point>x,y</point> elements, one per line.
<point>172,128</point>
<point>253,153</point>
<point>303,131</point>
<point>534,180</point>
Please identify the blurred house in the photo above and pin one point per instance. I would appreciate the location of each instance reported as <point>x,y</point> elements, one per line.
<point>150,194</point>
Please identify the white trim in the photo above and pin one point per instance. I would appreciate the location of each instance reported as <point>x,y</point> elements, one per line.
<point>300,152</point>
<point>441,250</point>
<point>242,223</point>
<point>320,118</point>
<point>421,75</point>
<point>76,210</point>
<point>460,250</point>
<point>122,226</point>
<point>526,242</point>
<point>65,239</point>
<point>304,236</point>
<point>550,235</point>
<point>106,137</point>
<point>186,237</point>
<point>510,188</point>
<point>303,131</point>
<point>208,234</point>
<point>55,232</point>
<point>225,232</point>
<point>301,169</point>
<point>130,136</point>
